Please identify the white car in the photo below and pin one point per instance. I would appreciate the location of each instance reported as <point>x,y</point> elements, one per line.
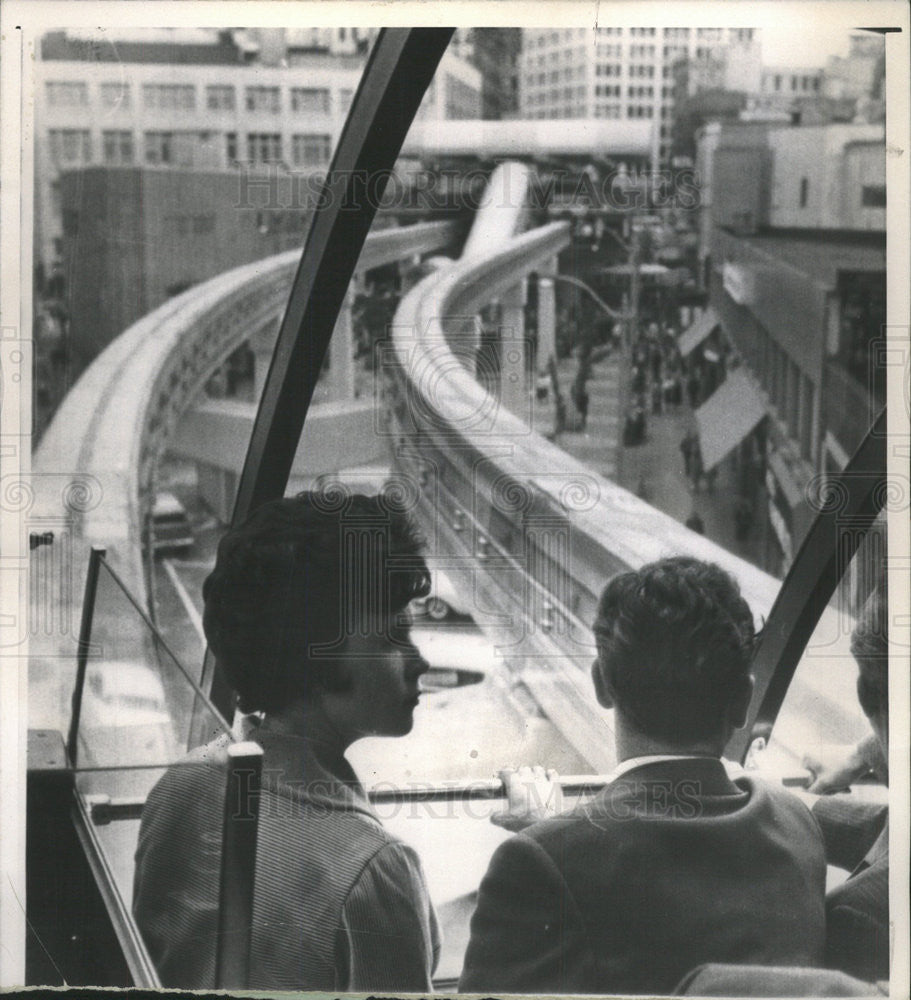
<point>457,657</point>
<point>124,717</point>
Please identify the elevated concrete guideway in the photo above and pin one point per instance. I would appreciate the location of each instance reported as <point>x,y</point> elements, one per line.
<point>94,474</point>
<point>583,137</point>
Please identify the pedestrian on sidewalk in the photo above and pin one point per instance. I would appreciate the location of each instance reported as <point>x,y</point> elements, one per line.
<point>686,448</point>
<point>743,519</point>
<point>697,462</point>
<point>643,490</point>
<point>657,398</point>
<point>579,395</point>
<point>656,361</point>
<point>695,523</point>
<point>694,387</point>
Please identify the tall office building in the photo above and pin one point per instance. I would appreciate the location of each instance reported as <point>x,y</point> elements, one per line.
<point>618,72</point>
<point>203,100</point>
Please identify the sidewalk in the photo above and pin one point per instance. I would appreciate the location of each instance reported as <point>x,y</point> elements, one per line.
<point>654,468</point>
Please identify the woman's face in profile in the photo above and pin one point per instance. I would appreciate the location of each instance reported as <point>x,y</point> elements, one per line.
<point>383,667</point>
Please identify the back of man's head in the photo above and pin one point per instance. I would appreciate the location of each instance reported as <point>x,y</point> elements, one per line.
<point>675,641</point>
<point>297,577</point>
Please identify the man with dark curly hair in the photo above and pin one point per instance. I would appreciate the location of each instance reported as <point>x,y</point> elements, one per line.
<point>674,863</point>
<point>306,612</point>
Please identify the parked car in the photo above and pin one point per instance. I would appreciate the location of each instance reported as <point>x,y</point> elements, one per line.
<point>124,717</point>
<point>457,657</point>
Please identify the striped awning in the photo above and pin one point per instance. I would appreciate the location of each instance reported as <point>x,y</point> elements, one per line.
<point>697,331</point>
<point>727,416</point>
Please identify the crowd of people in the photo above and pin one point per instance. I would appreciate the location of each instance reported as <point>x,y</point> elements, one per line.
<point>681,861</point>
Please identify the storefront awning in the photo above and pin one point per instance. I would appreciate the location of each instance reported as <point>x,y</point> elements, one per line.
<point>727,416</point>
<point>697,332</point>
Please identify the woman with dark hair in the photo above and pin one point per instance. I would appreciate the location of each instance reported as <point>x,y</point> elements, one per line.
<point>306,612</point>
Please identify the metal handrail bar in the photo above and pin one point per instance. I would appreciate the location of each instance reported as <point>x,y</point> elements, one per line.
<point>135,953</point>
<point>85,633</point>
<point>103,809</point>
<point>238,866</point>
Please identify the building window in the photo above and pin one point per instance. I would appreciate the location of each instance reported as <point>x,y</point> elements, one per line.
<point>310,100</point>
<point>264,147</point>
<point>220,98</point>
<point>169,96</point>
<point>115,95</point>
<point>159,147</point>
<point>67,94</point>
<point>231,147</point>
<point>804,191</point>
<point>117,147</point>
<point>266,99</point>
<point>873,196</point>
<point>70,146</point>
<point>311,150</point>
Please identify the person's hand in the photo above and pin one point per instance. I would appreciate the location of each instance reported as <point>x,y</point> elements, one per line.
<point>532,794</point>
<point>834,771</point>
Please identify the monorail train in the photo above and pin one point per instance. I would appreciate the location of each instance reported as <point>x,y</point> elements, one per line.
<point>528,532</point>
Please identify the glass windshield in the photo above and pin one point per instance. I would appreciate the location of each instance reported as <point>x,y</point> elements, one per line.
<point>580,337</point>
<point>174,178</point>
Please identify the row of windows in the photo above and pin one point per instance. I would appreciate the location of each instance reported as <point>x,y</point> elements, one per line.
<point>871,195</point>
<point>182,97</point>
<point>537,79</point>
<point>609,69</point>
<point>564,111</point>
<point>607,90</point>
<point>73,147</point>
<point>639,111</point>
<point>640,91</point>
<point>607,111</point>
<point>646,71</point>
<point>641,51</point>
<point>803,83</point>
<point>610,51</point>
<point>667,32</point>
<point>554,37</point>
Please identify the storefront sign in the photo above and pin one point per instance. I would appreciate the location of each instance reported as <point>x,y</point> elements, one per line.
<point>738,283</point>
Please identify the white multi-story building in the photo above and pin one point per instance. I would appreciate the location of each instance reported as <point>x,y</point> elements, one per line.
<point>197,100</point>
<point>621,72</point>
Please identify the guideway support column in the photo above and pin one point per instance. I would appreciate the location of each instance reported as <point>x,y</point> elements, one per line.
<point>513,387</point>
<point>546,410</point>
<point>341,349</point>
<point>547,317</point>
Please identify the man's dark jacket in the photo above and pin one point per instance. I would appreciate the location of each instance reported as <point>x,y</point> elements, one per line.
<point>671,866</point>
<point>857,911</point>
